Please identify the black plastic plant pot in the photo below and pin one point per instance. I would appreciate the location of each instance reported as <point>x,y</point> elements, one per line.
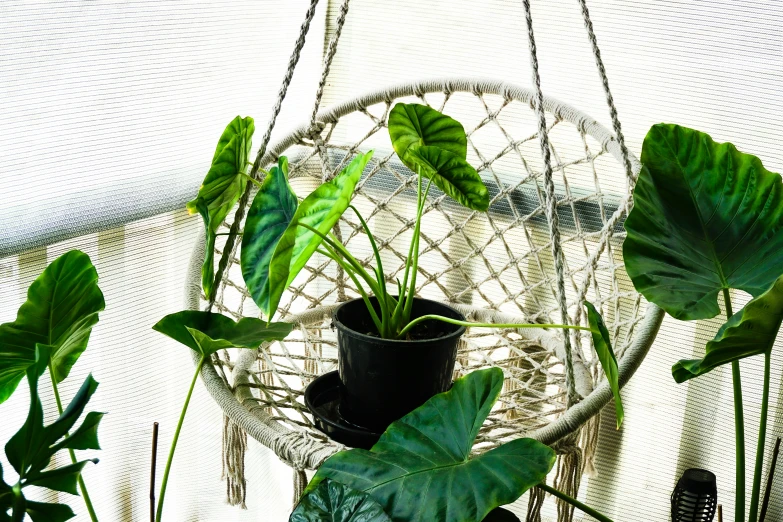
<point>383,379</point>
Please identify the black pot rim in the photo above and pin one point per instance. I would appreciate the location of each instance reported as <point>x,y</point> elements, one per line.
<point>340,326</point>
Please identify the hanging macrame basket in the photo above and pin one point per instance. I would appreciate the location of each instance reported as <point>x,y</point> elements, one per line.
<point>496,266</point>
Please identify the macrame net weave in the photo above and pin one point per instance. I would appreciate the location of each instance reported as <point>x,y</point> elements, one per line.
<point>496,266</point>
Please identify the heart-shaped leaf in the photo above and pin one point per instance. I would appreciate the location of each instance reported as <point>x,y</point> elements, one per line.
<point>320,210</point>
<point>335,502</point>
<point>270,213</point>
<point>705,218</point>
<point>751,331</point>
<point>412,125</point>
<point>31,449</point>
<point>603,348</point>
<point>61,309</point>
<point>224,182</point>
<point>207,332</point>
<point>450,173</point>
<point>421,468</point>
<point>208,266</point>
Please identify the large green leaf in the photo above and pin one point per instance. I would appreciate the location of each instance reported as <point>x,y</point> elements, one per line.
<point>207,332</point>
<point>225,182</point>
<point>751,331</point>
<point>61,309</point>
<point>603,348</point>
<point>31,449</point>
<point>335,502</point>
<point>421,468</point>
<point>320,210</point>
<point>705,218</point>
<point>450,173</point>
<point>270,213</point>
<point>412,125</point>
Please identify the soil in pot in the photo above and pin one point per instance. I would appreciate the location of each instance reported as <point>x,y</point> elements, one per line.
<point>384,379</point>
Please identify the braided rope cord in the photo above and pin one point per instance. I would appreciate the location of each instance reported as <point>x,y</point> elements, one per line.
<point>551,204</point>
<point>228,250</point>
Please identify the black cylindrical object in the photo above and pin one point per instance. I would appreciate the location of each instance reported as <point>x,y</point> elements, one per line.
<point>383,379</point>
<point>695,498</point>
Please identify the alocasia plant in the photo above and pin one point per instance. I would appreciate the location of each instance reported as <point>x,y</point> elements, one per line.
<point>422,467</point>
<point>61,309</point>
<point>31,449</point>
<point>205,333</point>
<point>707,218</point>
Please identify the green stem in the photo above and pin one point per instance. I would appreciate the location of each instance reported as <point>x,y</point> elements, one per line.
<point>574,502</point>
<point>163,484</point>
<point>379,277</point>
<point>739,428</point>
<point>415,265</point>
<point>449,320</point>
<point>331,254</point>
<point>80,480</point>
<point>253,180</point>
<point>754,499</point>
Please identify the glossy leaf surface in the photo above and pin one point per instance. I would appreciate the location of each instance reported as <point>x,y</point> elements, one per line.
<point>225,182</point>
<point>320,210</point>
<point>331,501</point>
<point>751,331</point>
<point>270,213</point>
<point>412,125</point>
<point>207,332</point>
<point>61,309</point>
<point>30,450</point>
<point>452,174</point>
<point>422,469</point>
<point>705,217</point>
<point>603,348</point>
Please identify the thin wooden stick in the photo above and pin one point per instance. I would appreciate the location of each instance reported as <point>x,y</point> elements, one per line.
<point>770,477</point>
<point>152,472</point>
<point>720,512</point>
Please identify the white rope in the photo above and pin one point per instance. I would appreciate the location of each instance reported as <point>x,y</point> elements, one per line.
<point>629,172</point>
<point>551,204</point>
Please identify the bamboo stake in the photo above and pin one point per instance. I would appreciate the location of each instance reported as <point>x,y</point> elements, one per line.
<point>770,477</point>
<point>152,471</point>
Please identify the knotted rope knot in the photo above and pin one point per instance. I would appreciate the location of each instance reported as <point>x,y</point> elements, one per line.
<point>294,447</point>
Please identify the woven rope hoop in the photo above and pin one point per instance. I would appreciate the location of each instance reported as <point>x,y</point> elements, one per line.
<point>495,266</point>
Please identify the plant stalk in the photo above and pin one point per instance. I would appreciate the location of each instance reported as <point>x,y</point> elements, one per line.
<point>457,322</point>
<point>574,502</point>
<point>80,480</point>
<point>739,428</point>
<point>754,499</point>
<point>174,442</point>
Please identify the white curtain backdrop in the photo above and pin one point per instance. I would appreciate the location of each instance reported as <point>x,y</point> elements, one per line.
<point>110,109</point>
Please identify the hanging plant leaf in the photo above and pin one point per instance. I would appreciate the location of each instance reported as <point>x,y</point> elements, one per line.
<point>603,348</point>
<point>421,468</point>
<point>751,331</point>
<point>270,213</point>
<point>61,309</point>
<point>335,502</point>
<point>208,266</point>
<point>452,174</point>
<point>207,332</point>
<point>320,210</point>
<point>705,218</point>
<point>412,125</point>
<point>31,449</point>
<point>225,181</point>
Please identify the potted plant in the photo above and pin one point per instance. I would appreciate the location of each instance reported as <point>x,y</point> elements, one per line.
<point>707,218</point>
<point>395,350</point>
